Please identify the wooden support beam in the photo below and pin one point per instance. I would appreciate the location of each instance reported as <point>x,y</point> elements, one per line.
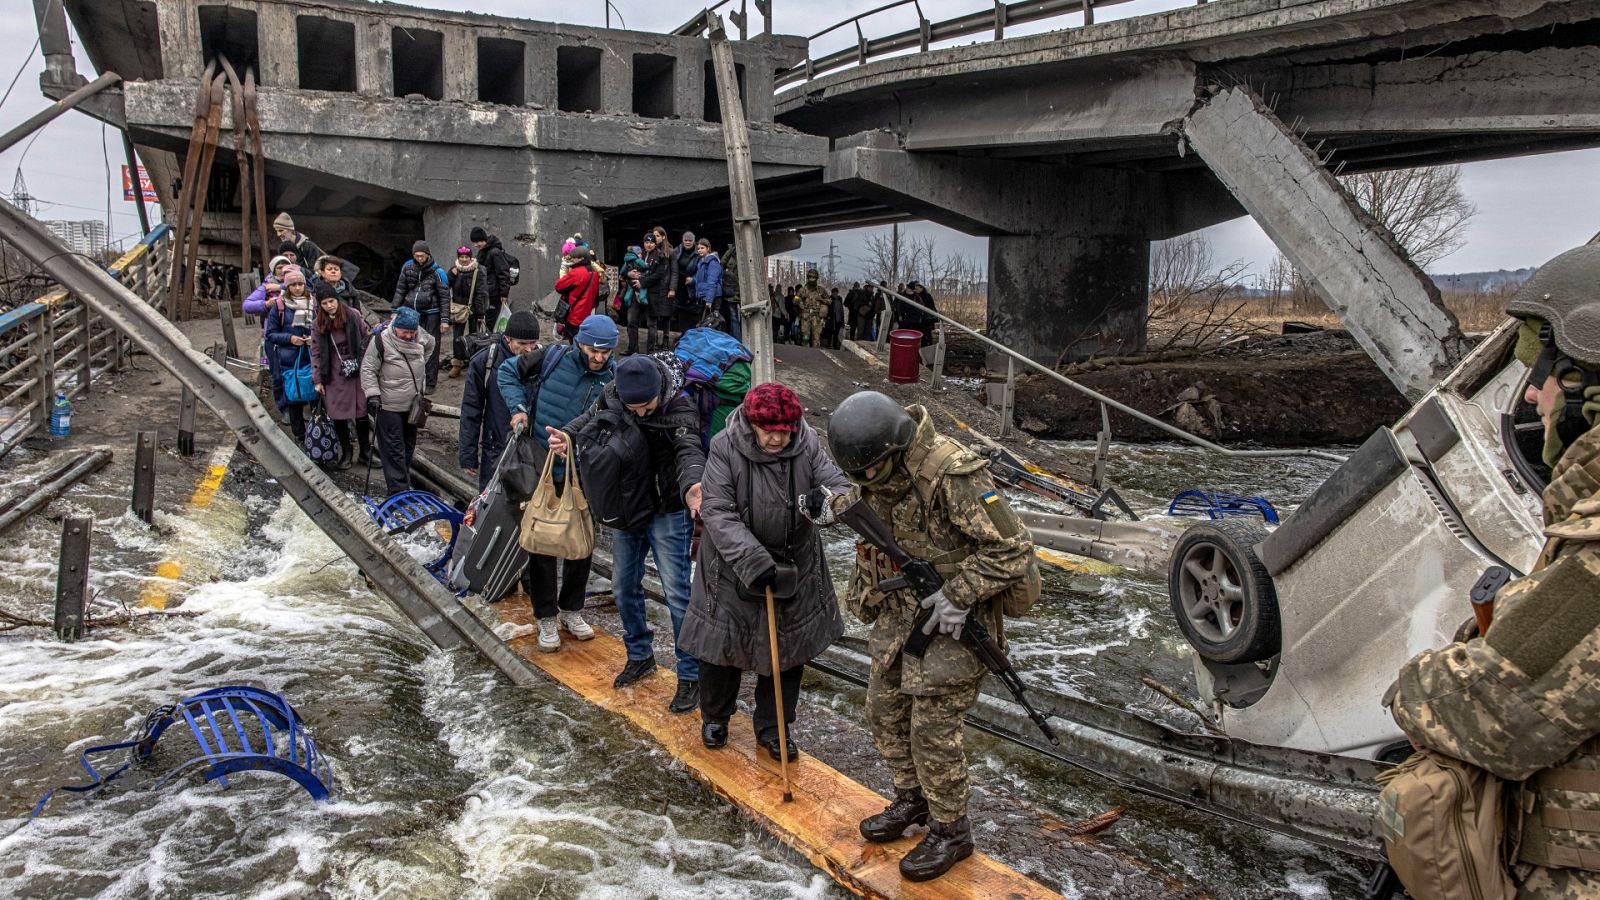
<point>822,821</point>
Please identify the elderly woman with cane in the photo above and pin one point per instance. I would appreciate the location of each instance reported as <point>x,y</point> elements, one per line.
<point>759,551</point>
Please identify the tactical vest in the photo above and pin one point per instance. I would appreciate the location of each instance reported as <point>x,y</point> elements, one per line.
<point>1560,806</point>
<point>946,458</point>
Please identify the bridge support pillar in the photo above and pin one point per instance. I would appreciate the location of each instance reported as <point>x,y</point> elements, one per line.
<point>1069,247</point>
<point>1065,296</point>
<point>531,232</point>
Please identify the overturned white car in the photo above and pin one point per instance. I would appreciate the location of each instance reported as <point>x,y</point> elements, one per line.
<point>1297,633</point>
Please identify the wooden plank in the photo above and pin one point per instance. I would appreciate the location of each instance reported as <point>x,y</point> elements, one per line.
<point>820,823</point>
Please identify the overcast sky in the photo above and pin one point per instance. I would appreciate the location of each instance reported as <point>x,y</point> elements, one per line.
<point>1529,209</point>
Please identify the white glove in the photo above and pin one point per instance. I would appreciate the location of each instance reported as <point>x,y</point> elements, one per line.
<point>817,505</point>
<point>946,616</point>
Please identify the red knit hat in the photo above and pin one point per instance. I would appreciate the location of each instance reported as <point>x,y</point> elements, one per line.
<point>773,407</point>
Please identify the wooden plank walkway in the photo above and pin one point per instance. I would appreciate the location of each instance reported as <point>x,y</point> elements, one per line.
<point>820,823</point>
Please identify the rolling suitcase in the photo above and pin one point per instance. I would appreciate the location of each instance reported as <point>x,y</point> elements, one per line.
<point>488,560</point>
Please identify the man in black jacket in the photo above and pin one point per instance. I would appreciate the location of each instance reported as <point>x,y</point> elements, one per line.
<point>648,395</point>
<point>425,287</point>
<point>485,417</point>
<point>492,257</point>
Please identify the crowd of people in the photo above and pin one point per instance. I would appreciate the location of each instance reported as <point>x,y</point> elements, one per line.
<point>739,468</point>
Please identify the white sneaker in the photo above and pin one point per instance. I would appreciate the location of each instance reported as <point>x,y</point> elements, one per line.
<point>549,637</point>
<point>572,621</point>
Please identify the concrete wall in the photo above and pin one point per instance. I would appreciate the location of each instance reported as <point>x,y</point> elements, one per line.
<point>376,25</point>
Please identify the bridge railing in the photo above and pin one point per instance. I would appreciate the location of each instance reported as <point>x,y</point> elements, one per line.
<point>58,345</point>
<point>995,18</point>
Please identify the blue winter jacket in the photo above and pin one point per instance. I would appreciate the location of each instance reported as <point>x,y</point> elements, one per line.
<point>283,354</point>
<point>569,389</point>
<point>708,279</point>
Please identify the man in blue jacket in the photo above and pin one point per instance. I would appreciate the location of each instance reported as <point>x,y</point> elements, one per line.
<point>425,287</point>
<point>485,417</point>
<point>554,387</point>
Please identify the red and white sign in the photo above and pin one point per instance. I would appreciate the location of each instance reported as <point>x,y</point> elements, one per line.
<point>146,187</point>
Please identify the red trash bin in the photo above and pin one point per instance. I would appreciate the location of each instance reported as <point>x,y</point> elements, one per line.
<point>905,356</point>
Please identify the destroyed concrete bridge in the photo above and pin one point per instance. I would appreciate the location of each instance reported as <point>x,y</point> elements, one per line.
<point>1071,150</point>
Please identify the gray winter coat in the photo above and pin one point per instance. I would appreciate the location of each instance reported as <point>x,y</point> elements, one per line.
<point>398,371</point>
<point>750,516</point>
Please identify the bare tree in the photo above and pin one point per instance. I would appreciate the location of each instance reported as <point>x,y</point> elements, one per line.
<point>885,257</point>
<point>1191,297</point>
<point>1424,208</point>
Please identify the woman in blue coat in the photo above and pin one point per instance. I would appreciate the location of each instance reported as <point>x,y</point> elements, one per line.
<point>288,336</point>
<point>707,277</point>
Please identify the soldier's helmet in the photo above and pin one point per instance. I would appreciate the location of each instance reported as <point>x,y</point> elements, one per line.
<point>866,429</point>
<point>812,275</point>
<point>1565,294</point>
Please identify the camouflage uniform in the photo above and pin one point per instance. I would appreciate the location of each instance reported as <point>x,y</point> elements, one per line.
<point>814,304</point>
<point>1523,701</point>
<point>943,508</point>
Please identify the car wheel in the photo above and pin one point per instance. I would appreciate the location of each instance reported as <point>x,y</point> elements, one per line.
<point>1221,594</point>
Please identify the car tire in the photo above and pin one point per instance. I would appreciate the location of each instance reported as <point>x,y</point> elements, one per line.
<point>1222,596</point>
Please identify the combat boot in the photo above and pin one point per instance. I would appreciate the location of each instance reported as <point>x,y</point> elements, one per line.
<point>946,844</point>
<point>909,808</point>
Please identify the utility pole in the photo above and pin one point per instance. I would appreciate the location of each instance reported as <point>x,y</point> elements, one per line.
<point>755,312</point>
<point>833,259</point>
<point>894,254</point>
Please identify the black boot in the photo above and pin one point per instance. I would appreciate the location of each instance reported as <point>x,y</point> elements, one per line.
<point>909,808</point>
<point>946,844</point>
<point>769,740</point>
<point>635,670</point>
<point>714,734</point>
<point>687,698</point>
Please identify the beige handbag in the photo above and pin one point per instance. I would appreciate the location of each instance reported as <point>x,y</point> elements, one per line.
<point>558,525</point>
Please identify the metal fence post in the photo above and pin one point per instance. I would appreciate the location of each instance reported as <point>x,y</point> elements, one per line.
<point>45,365</point>
<point>1008,399</point>
<point>86,343</point>
<point>186,423</point>
<point>225,313</point>
<point>72,578</point>
<point>144,476</point>
<point>938,361</point>
<point>1102,448</point>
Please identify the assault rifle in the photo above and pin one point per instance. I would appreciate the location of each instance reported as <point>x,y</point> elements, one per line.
<point>920,576</point>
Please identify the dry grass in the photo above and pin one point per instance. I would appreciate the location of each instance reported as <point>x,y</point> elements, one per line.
<point>1475,311</point>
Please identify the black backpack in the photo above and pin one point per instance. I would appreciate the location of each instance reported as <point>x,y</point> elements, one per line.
<point>513,267</point>
<point>614,459</point>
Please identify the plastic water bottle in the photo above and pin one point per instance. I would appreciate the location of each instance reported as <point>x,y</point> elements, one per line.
<point>61,417</point>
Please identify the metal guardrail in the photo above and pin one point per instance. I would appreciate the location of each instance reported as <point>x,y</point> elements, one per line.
<point>995,18</point>
<point>1106,403</point>
<point>59,345</point>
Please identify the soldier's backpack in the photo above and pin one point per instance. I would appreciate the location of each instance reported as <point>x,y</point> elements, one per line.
<point>1444,828</point>
<point>950,458</point>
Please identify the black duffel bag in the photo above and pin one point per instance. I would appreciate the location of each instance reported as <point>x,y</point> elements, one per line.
<point>617,477</point>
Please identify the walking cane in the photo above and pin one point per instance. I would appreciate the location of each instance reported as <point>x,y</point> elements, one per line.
<point>777,692</point>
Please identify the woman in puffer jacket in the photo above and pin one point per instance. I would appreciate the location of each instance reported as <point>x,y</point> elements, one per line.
<point>288,336</point>
<point>756,538</point>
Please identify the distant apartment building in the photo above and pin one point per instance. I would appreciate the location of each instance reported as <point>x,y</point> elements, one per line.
<point>787,270</point>
<point>87,236</point>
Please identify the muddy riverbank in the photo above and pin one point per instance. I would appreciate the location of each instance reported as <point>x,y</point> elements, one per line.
<point>1271,390</point>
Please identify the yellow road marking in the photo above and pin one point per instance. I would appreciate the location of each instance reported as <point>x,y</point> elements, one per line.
<point>158,591</point>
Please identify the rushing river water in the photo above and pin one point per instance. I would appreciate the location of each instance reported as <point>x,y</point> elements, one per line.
<point>452,783</point>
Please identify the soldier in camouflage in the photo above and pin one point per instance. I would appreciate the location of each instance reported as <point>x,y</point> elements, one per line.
<point>943,507</point>
<point>814,303</point>
<point>1523,700</point>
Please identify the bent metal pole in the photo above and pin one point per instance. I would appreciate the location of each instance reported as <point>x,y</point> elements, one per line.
<point>49,113</point>
<point>393,572</point>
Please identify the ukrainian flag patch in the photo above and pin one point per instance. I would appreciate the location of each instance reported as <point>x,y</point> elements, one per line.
<point>990,497</point>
